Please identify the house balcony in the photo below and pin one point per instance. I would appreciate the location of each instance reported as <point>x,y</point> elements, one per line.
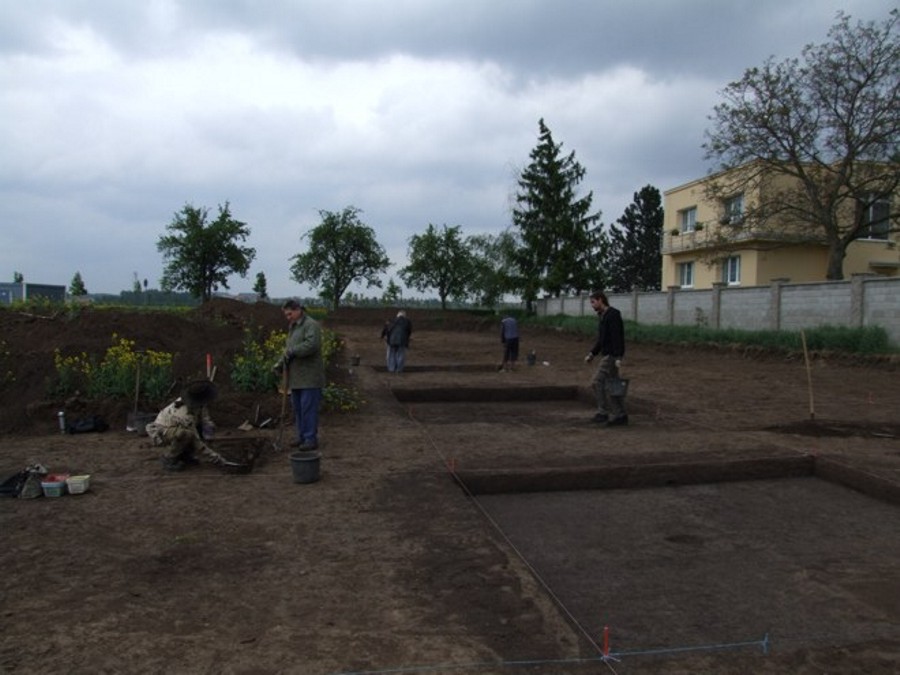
<point>699,240</point>
<point>686,241</point>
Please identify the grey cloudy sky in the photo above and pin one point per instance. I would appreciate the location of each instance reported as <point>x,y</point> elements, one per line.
<point>117,113</point>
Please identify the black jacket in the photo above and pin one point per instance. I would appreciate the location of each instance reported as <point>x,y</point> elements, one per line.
<point>399,331</point>
<point>610,334</point>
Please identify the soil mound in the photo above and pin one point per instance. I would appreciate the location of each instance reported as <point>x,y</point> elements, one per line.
<point>30,341</point>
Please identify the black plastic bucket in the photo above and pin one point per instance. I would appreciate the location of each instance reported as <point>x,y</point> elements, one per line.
<point>305,466</point>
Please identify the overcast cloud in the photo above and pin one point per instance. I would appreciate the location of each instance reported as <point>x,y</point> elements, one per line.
<point>115,114</point>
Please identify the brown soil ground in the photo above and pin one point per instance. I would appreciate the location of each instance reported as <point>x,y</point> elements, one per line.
<point>465,520</point>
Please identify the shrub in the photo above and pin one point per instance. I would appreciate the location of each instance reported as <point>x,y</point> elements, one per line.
<point>336,398</point>
<point>116,374</point>
<point>252,368</point>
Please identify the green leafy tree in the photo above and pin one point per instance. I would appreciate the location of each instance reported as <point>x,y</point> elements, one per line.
<point>260,286</point>
<point>635,258</point>
<point>202,255</point>
<point>494,272</point>
<point>439,260</point>
<point>18,278</point>
<point>76,287</point>
<point>392,294</point>
<point>342,250</point>
<point>560,235</point>
<point>818,136</point>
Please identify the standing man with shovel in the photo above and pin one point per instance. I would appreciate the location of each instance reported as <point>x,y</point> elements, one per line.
<point>304,372</point>
<point>610,347</point>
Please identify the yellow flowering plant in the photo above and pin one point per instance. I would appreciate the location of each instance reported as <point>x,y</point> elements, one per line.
<point>116,374</point>
<point>251,369</point>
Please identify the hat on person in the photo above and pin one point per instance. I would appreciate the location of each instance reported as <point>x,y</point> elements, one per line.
<point>199,393</point>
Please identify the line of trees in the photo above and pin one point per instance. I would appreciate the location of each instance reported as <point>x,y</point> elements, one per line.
<point>815,121</point>
<point>555,245</point>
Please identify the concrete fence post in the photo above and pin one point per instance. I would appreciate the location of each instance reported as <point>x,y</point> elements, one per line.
<point>775,303</point>
<point>670,303</point>
<point>716,309</point>
<point>858,298</point>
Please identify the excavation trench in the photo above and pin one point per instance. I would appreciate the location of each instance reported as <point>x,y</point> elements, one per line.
<point>767,549</point>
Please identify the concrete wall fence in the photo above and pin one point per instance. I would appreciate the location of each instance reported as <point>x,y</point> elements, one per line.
<point>864,300</point>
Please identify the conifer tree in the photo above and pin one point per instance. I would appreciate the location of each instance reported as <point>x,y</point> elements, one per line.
<point>560,235</point>
<point>260,287</point>
<point>76,287</point>
<point>635,259</point>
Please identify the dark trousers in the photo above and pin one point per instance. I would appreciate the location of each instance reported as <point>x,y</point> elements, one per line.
<point>306,403</point>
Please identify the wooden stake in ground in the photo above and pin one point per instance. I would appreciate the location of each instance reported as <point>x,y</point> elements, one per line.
<point>137,384</point>
<point>812,407</point>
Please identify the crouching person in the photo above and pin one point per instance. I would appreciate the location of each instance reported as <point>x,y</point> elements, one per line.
<point>180,427</point>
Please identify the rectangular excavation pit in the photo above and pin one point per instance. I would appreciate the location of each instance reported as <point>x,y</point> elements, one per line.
<point>445,368</point>
<point>553,479</point>
<point>456,394</point>
<point>804,561</point>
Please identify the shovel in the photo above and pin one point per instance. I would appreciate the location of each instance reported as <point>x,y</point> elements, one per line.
<point>284,395</point>
<point>131,423</point>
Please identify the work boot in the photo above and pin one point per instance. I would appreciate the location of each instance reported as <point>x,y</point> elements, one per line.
<point>171,464</point>
<point>600,418</point>
<point>308,445</point>
<point>620,421</point>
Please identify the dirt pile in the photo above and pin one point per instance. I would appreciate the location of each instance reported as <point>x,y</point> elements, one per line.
<point>29,342</point>
<point>218,328</point>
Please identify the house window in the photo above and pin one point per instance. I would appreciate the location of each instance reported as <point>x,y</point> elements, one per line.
<point>686,274</point>
<point>876,218</point>
<point>687,219</point>
<point>731,270</point>
<point>734,210</point>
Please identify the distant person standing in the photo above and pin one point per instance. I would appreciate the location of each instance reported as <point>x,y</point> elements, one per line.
<point>610,347</point>
<point>509,336</point>
<point>305,372</point>
<point>398,334</point>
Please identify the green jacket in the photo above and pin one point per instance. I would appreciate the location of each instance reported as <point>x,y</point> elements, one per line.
<point>306,369</point>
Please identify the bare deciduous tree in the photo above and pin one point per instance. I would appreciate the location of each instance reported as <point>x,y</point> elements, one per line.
<point>815,141</point>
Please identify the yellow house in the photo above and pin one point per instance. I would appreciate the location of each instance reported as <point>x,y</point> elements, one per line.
<point>709,240</point>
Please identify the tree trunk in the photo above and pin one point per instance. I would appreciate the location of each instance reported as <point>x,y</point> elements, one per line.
<point>836,252</point>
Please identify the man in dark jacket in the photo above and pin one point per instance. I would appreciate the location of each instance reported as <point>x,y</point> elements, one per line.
<point>398,334</point>
<point>509,336</point>
<point>610,347</point>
